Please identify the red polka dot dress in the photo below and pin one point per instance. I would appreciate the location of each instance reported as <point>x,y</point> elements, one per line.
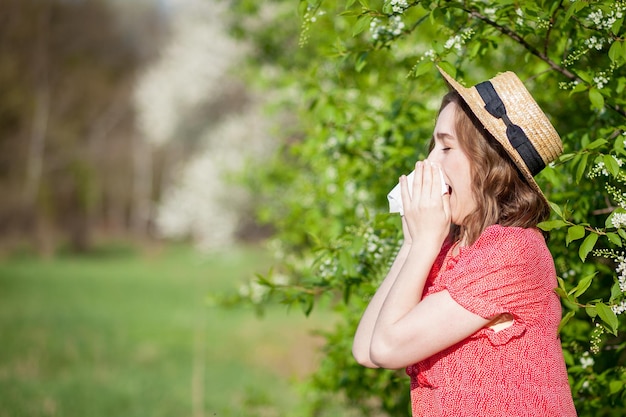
<point>517,371</point>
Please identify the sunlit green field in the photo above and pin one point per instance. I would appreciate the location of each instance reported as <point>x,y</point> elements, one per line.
<point>126,333</point>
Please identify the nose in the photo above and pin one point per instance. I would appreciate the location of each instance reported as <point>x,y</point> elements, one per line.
<point>435,157</point>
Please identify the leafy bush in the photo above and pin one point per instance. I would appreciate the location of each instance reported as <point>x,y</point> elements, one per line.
<point>360,77</point>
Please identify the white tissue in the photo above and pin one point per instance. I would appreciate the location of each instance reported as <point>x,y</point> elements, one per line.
<point>395,198</point>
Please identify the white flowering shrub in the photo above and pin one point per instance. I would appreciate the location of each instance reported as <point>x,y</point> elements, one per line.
<point>203,199</point>
<point>206,201</point>
<point>368,93</point>
<point>191,69</point>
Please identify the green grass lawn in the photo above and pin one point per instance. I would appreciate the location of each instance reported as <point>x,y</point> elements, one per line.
<point>122,334</point>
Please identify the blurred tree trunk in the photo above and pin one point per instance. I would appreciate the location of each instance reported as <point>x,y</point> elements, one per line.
<point>36,150</point>
<point>37,144</point>
<point>142,187</point>
<point>68,148</point>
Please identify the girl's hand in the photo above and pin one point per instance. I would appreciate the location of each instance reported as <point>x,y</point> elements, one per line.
<point>426,211</point>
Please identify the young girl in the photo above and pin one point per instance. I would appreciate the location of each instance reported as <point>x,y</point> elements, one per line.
<point>468,305</point>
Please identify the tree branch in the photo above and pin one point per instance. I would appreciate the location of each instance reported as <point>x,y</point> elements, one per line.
<point>549,31</point>
<point>517,38</point>
<point>541,55</point>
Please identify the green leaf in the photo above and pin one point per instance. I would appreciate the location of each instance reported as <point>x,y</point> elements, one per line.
<point>596,144</point>
<point>585,77</point>
<point>347,291</point>
<point>565,319</point>
<point>617,26</point>
<point>347,263</point>
<point>422,68</point>
<point>578,88</point>
<point>615,387</point>
<point>261,280</point>
<point>574,233</point>
<point>307,305</point>
<point>556,208</point>
<point>618,145</point>
<point>448,67</point>
<point>584,284</point>
<point>614,238</point>
<point>551,224</point>
<point>582,166</point>
<point>596,98</point>
<point>616,291</point>
<point>562,293</point>
<point>587,246</point>
<point>351,12</point>
<point>611,165</point>
<point>361,62</point>
<point>615,52</point>
<point>608,223</point>
<point>362,23</point>
<point>569,359</point>
<point>575,8</point>
<point>608,317</point>
<point>302,7</point>
<point>591,311</point>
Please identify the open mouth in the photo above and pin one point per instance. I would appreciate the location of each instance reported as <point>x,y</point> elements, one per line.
<point>449,189</point>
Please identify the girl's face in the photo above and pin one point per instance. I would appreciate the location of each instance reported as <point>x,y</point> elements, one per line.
<point>447,153</point>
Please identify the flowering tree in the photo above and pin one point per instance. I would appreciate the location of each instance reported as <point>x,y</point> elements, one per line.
<point>191,107</point>
<point>367,97</point>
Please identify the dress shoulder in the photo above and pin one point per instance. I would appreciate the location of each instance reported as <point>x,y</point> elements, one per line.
<point>505,271</point>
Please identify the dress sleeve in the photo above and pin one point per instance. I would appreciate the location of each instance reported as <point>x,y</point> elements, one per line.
<point>507,270</point>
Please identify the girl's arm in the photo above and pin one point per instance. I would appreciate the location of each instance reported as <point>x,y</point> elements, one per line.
<point>363,335</point>
<point>398,327</point>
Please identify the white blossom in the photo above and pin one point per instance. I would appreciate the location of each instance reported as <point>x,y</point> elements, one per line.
<point>619,308</point>
<point>596,17</point>
<point>621,273</point>
<point>490,12</point>
<point>600,168</point>
<point>375,28</point>
<point>606,21</point>
<point>453,42</point>
<point>600,80</point>
<point>570,273</point>
<point>618,220</point>
<point>430,54</point>
<point>254,291</point>
<point>399,6</point>
<point>202,203</point>
<point>594,42</point>
<point>457,41</point>
<point>586,360</point>
<point>394,27</point>
<point>191,68</point>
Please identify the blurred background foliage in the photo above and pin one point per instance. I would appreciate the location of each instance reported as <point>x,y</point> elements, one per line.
<point>219,123</point>
<point>122,125</point>
<point>123,118</point>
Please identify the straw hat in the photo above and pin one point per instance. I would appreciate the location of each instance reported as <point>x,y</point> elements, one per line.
<point>507,110</point>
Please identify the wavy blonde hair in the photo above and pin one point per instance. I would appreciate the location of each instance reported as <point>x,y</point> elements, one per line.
<point>501,193</point>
